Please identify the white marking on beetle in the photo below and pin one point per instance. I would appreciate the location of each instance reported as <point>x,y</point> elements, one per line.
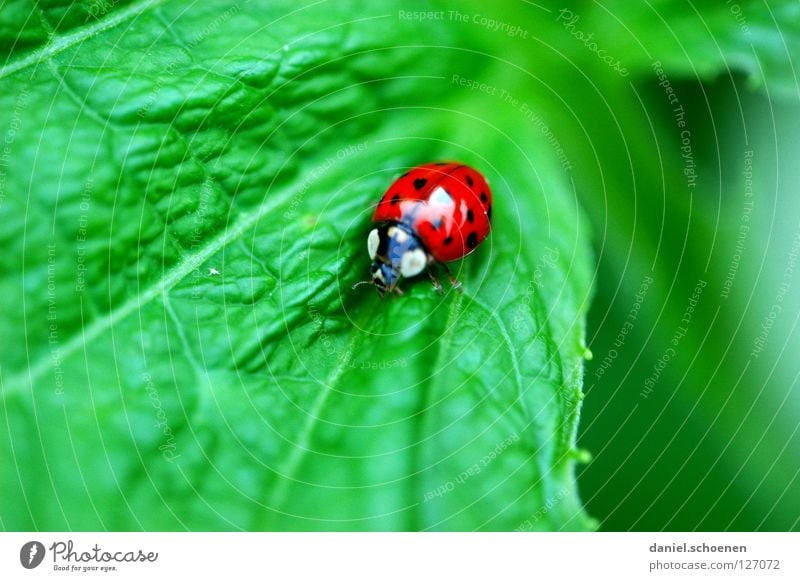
<point>400,235</point>
<point>372,243</point>
<point>440,197</point>
<point>413,262</point>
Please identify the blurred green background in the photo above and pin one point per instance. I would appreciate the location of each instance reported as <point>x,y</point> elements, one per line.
<point>692,422</point>
<point>660,134</point>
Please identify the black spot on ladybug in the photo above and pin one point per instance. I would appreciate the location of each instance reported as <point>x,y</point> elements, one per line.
<point>383,244</point>
<point>470,216</point>
<point>395,199</point>
<point>419,183</point>
<point>472,240</point>
<point>448,240</point>
<point>469,181</point>
<point>484,197</point>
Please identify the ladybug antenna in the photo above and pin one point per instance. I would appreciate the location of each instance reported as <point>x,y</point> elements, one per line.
<point>359,283</point>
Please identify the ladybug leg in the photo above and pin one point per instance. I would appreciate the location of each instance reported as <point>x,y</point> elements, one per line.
<point>436,284</point>
<point>453,280</point>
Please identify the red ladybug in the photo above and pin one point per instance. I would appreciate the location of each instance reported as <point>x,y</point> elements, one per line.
<point>435,213</point>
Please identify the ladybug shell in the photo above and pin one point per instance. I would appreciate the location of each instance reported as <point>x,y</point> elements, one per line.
<point>448,206</point>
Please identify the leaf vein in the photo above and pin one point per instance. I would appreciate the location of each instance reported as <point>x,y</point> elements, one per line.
<point>59,44</point>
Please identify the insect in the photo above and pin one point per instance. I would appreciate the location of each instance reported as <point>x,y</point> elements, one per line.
<point>433,214</point>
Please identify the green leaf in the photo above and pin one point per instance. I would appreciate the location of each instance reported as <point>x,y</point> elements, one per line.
<point>702,39</point>
<point>698,434</point>
<point>186,196</point>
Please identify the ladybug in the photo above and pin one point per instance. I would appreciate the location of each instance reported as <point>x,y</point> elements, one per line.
<point>434,213</point>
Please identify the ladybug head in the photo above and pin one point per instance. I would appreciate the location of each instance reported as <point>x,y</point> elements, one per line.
<point>396,253</point>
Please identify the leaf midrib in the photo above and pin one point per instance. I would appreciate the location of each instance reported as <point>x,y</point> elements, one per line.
<point>60,43</point>
<point>189,264</point>
<point>277,497</point>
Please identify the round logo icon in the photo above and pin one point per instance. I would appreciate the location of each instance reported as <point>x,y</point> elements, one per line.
<point>31,554</point>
